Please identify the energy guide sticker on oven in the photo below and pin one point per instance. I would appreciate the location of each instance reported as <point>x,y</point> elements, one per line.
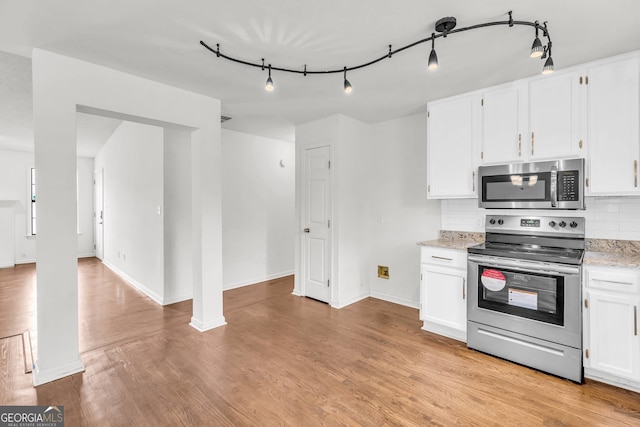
<point>493,280</point>
<point>525,299</point>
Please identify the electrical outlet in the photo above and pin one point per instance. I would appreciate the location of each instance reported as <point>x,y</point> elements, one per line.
<point>383,272</point>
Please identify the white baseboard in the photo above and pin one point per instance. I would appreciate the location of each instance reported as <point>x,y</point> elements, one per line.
<point>348,301</point>
<point>33,260</point>
<point>87,255</point>
<point>201,326</point>
<point>42,377</point>
<point>614,380</point>
<point>396,300</point>
<point>256,280</point>
<point>7,265</point>
<point>139,286</point>
<point>176,298</point>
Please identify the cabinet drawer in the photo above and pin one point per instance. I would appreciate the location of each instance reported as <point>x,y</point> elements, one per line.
<point>613,279</point>
<point>442,256</point>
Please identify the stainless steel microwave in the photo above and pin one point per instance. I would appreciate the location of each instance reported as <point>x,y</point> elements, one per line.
<point>557,184</point>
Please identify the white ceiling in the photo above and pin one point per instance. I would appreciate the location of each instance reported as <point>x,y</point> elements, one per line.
<point>159,40</point>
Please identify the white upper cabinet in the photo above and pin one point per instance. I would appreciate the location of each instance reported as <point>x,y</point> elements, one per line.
<point>501,125</point>
<point>452,135</point>
<point>613,125</point>
<point>554,117</point>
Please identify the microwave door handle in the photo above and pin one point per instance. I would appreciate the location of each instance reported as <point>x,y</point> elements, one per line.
<point>554,186</point>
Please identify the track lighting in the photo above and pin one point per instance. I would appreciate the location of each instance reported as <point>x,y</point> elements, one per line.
<point>347,86</point>
<point>269,85</point>
<point>433,57</point>
<point>444,27</point>
<point>548,64</point>
<point>536,48</point>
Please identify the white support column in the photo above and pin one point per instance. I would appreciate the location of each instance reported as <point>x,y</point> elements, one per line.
<point>207,228</point>
<point>57,265</point>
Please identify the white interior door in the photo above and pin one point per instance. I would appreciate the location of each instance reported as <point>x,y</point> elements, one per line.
<point>98,180</point>
<point>317,223</point>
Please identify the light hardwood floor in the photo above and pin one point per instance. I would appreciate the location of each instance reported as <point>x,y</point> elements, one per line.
<point>281,360</point>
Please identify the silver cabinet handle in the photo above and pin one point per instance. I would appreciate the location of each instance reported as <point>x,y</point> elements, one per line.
<point>473,179</point>
<point>635,320</point>
<point>635,173</point>
<point>306,230</point>
<point>464,294</point>
<point>519,145</point>
<point>442,258</point>
<point>532,144</point>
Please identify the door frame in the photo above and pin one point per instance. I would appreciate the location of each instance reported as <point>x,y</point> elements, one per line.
<point>301,194</point>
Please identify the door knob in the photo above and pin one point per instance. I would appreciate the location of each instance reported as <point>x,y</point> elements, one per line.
<point>306,230</point>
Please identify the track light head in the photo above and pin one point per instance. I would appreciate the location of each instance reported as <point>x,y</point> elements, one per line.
<point>548,66</point>
<point>536,49</point>
<point>347,86</point>
<point>269,85</point>
<point>433,56</point>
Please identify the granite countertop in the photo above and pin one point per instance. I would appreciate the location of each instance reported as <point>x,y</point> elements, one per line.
<point>454,240</point>
<point>605,252</point>
<point>612,253</point>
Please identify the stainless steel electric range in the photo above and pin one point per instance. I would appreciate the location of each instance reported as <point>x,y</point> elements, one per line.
<point>524,292</point>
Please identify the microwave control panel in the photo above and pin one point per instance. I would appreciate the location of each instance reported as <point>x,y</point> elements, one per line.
<point>568,186</point>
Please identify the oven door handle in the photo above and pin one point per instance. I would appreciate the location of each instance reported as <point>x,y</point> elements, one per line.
<point>524,265</point>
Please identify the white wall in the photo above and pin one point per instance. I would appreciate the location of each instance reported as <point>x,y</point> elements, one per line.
<point>177,217</point>
<point>258,220</point>
<point>132,160</point>
<point>147,168</point>
<point>606,217</point>
<point>380,206</point>
<point>399,213</point>
<point>15,178</point>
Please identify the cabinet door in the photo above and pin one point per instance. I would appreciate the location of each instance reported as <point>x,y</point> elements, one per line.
<point>614,130</point>
<point>554,117</point>
<point>501,128</point>
<point>451,138</point>
<point>444,297</point>
<point>614,346</point>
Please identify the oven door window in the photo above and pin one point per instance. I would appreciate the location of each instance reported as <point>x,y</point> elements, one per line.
<point>529,295</point>
<point>519,187</point>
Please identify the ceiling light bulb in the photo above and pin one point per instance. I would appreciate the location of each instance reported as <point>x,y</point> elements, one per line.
<point>433,57</point>
<point>548,66</point>
<point>433,60</point>
<point>269,85</point>
<point>536,49</point>
<point>347,86</point>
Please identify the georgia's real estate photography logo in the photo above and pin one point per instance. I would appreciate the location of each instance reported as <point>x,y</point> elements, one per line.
<point>31,416</point>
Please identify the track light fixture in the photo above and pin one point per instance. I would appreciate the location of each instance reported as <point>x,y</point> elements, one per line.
<point>347,86</point>
<point>433,57</point>
<point>444,27</point>
<point>269,85</point>
<point>536,48</point>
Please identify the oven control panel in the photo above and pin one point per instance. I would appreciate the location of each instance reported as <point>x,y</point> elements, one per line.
<point>531,224</point>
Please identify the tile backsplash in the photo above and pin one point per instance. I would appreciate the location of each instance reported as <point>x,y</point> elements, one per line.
<point>606,217</point>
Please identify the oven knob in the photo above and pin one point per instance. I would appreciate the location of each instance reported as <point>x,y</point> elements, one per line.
<point>562,224</point>
<point>552,224</point>
<point>492,221</point>
<point>500,222</point>
<point>573,224</point>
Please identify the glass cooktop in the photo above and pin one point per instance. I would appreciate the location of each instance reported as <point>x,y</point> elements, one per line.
<point>529,252</point>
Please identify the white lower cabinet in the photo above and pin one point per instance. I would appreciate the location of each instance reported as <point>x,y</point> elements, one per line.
<point>443,292</point>
<point>611,340</point>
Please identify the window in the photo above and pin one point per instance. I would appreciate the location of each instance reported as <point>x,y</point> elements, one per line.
<point>33,202</point>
